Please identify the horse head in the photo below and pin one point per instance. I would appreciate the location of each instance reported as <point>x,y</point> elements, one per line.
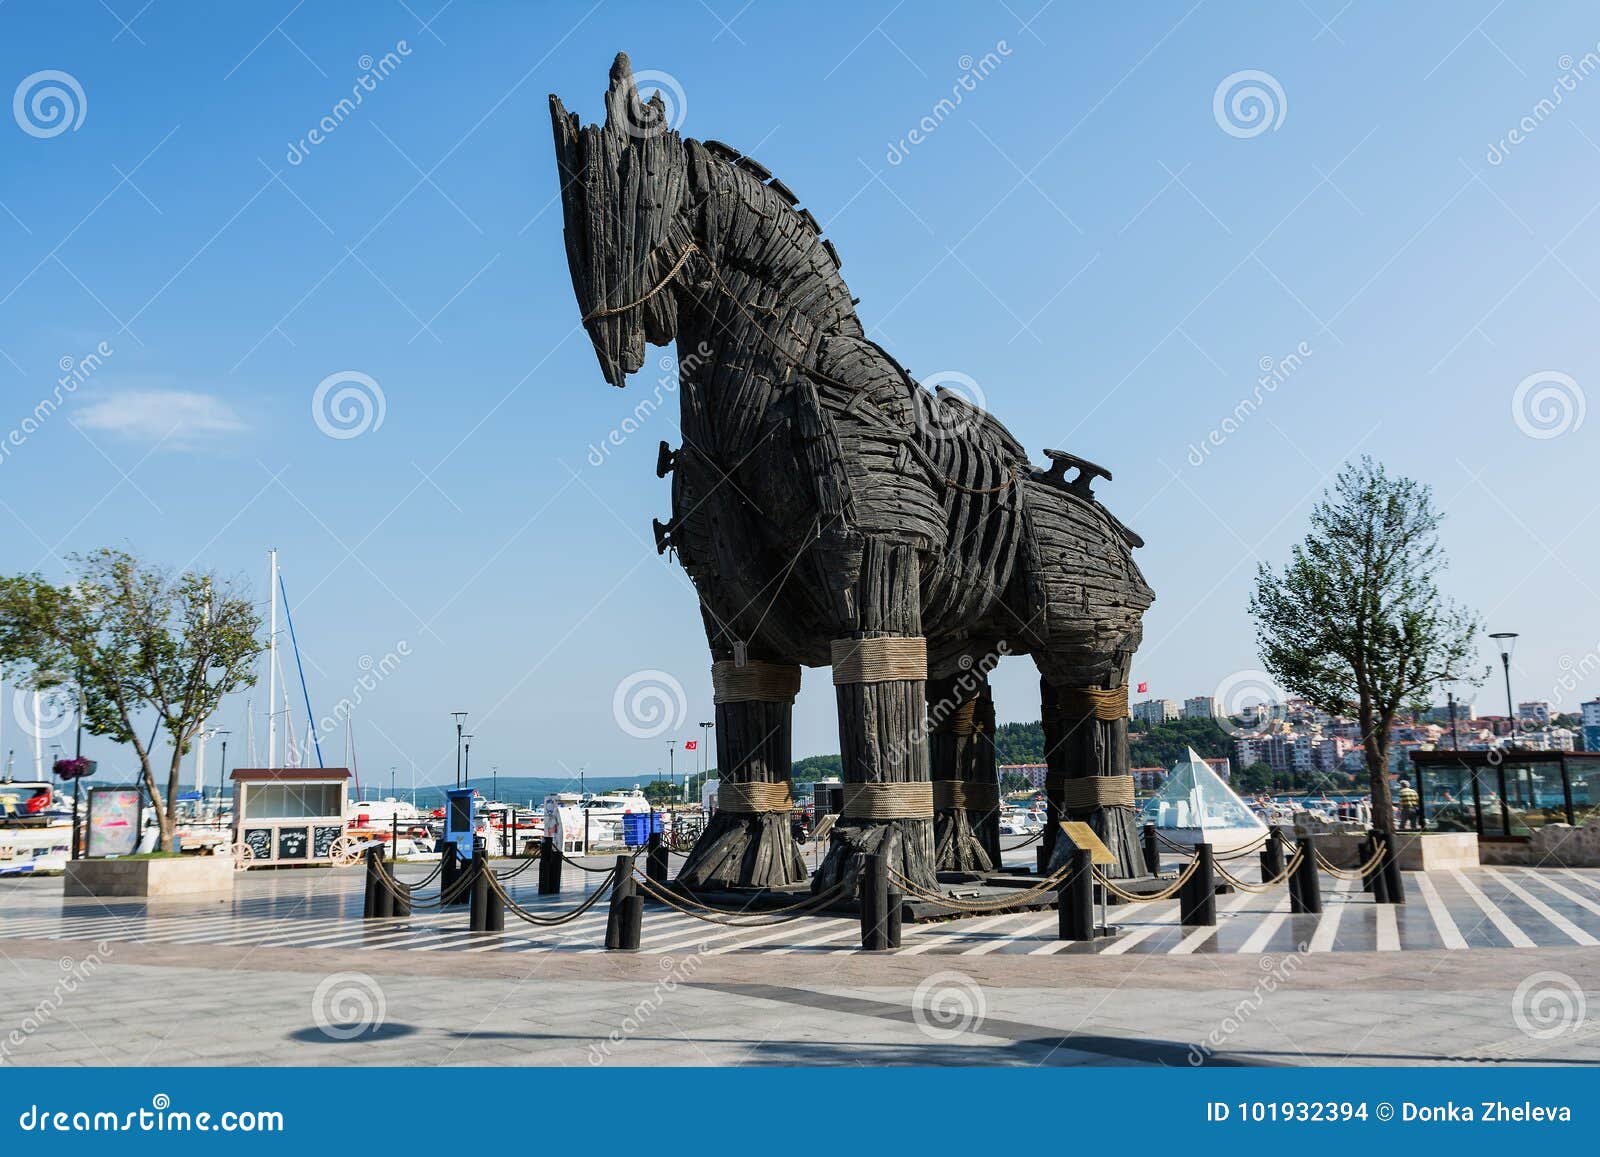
<point>623,192</point>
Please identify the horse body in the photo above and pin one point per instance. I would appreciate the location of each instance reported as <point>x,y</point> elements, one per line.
<point>825,504</point>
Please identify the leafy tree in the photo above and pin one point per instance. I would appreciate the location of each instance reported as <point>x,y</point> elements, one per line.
<point>132,640</point>
<point>659,792</point>
<point>1355,623</point>
<point>1165,744</point>
<point>1019,743</point>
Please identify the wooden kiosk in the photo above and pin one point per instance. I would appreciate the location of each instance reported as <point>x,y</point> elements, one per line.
<point>289,816</point>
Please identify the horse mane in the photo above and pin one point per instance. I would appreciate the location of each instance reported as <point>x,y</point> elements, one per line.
<point>764,176</point>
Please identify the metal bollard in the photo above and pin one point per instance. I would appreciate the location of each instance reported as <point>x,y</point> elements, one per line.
<point>655,858</point>
<point>876,933</point>
<point>1075,900</point>
<point>400,898</point>
<point>1394,883</point>
<point>1272,855</point>
<point>382,895</point>
<point>625,916</point>
<point>1197,902</point>
<point>1305,897</point>
<point>1152,851</point>
<point>369,901</point>
<point>494,908</point>
<point>549,867</point>
<point>1364,851</point>
<point>478,893</point>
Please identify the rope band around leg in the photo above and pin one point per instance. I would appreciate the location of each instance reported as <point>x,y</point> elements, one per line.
<point>1089,792</point>
<point>888,801</point>
<point>970,795</point>
<point>959,721</point>
<point>1105,704</point>
<point>880,660</point>
<point>754,798</point>
<point>756,681</point>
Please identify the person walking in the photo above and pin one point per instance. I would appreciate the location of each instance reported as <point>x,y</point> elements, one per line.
<point>1410,807</point>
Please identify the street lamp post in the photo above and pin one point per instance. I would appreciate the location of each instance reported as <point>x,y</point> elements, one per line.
<point>672,767</point>
<point>705,751</point>
<point>459,717</point>
<point>467,773</point>
<point>222,776</point>
<point>1508,643</point>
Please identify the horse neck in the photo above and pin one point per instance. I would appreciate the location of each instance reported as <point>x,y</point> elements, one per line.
<point>769,292</point>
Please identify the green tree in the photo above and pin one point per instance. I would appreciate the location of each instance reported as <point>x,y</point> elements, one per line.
<point>659,792</point>
<point>1355,623</point>
<point>133,641</point>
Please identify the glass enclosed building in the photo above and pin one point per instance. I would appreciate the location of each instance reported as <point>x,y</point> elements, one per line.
<point>1506,794</point>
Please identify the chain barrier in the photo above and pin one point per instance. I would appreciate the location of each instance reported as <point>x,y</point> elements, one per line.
<point>1140,898</point>
<point>998,904</point>
<point>1254,845</point>
<point>527,862</point>
<point>711,915</point>
<point>1265,885</point>
<point>1360,872</point>
<point>633,855</point>
<point>529,917</point>
<point>402,891</point>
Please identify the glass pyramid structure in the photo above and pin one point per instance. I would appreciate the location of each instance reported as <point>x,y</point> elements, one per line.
<point>1195,802</point>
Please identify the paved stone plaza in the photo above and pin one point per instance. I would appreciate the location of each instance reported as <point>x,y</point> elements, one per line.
<point>1485,965</point>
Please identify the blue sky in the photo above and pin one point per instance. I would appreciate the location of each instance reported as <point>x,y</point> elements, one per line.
<point>1085,236</point>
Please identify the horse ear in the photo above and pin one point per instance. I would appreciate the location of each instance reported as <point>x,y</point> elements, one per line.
<point>621,97</point>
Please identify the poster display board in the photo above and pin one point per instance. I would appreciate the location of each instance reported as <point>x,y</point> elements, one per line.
<point>114,815</point>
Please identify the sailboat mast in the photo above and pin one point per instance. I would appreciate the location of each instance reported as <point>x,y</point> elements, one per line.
<point>272,659</point>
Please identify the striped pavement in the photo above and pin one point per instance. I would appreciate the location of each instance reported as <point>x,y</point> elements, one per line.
<point>1461,910</point>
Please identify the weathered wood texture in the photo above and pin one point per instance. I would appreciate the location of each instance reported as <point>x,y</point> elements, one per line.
<point>961,748</point>
<point>882,727</point>
<point>740,850</point>
<point>808,449</point>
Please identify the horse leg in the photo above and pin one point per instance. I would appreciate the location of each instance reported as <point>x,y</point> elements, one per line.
<point>749,843</point>
<point>966,796</point>
<point>1086,754</point>
<point>880,676</point>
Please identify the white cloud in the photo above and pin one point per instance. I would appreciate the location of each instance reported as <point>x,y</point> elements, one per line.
<point>175,418</point>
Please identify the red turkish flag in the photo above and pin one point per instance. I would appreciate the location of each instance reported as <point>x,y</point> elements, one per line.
<point>691,745</point>
<point>1143,687</point>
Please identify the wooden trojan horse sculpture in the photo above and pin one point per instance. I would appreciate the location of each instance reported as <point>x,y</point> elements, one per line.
<point>833,513</point>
